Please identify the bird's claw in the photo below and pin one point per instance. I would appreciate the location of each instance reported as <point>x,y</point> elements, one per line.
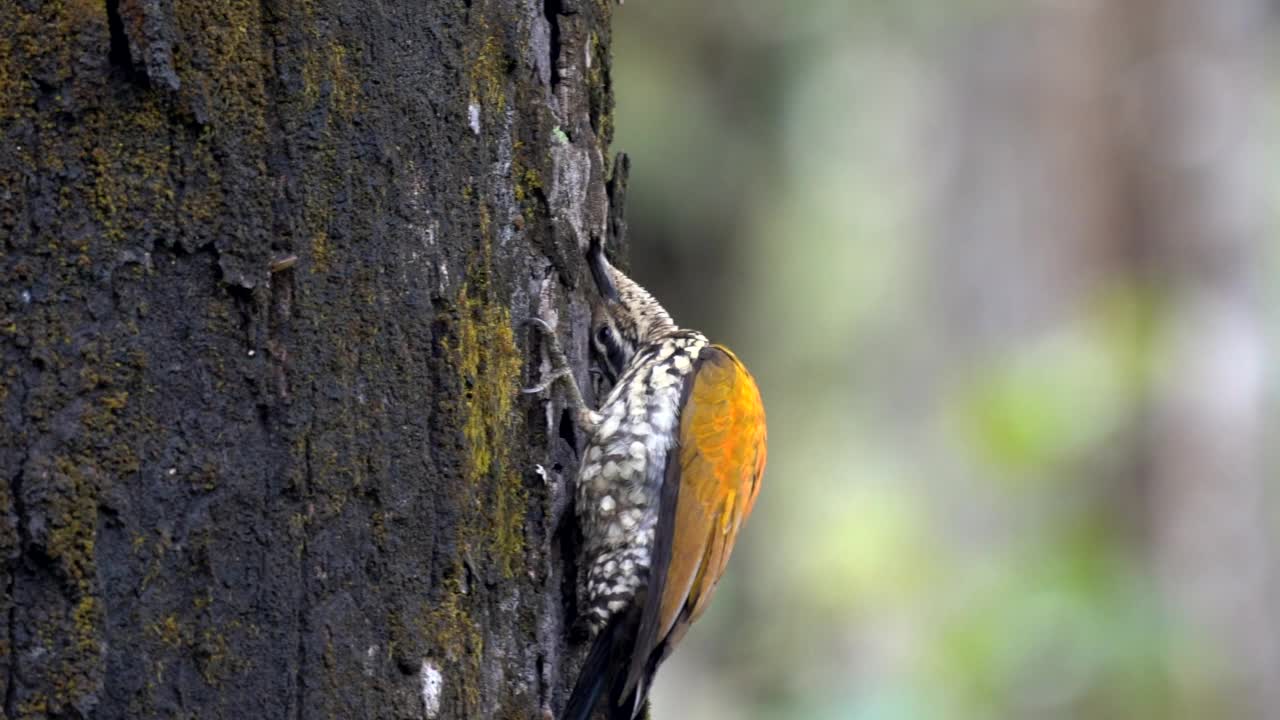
<point>546,383</point>
<point>541,324</point>
<point>560,368</point>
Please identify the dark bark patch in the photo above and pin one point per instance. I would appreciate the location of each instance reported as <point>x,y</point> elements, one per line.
<point>119,54</point>
<point>552,10</point>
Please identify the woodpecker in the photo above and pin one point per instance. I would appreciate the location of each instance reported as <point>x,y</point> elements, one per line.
<point>669,473</point>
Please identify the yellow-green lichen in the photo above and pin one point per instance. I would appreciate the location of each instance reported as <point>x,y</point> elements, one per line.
<point>36,706</point>
<point>74,524</point>
<point>456,637</point>
<point>378,526</point>
<point>170,632</point>
<point>599,92</point>
<point>209,646</point>
<point>321,252</point>
<point>230,68</point>
<point>527,181</point>
<point>486,74</point>
<point>129,161</point>
<point>324,175</point>
<point>159,549</point>
<point>12,72</point>
<point>489,365</point>
<point>27,34</point>
<point>202,198</point>
<point>214,658</point>
<point>329,80</point>
<point>115,400</point>
<point>326,71</point>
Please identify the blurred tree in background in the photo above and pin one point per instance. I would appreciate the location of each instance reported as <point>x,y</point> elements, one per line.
<point>1004,271</point>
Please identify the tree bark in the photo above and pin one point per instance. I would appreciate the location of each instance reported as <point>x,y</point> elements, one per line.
<point>265,266</point>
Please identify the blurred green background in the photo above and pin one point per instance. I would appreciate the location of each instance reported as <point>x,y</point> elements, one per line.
<point>1006,274</point>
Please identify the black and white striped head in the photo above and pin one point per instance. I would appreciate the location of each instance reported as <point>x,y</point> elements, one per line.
<point>625,316</point>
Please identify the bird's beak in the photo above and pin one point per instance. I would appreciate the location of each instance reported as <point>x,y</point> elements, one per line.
<point>600,270</point>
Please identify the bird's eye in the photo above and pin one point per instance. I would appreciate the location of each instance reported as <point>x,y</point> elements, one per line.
<point>604,334</point>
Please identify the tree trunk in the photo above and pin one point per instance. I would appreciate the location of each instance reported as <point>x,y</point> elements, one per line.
<point>265,266</point>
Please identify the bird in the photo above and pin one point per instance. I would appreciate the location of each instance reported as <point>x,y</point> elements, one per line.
<point>669,473</point>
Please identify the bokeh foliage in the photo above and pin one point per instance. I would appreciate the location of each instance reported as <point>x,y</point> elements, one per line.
<point>954,524</point>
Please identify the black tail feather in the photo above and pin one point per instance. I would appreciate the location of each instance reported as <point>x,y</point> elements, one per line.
<point>599,672</point>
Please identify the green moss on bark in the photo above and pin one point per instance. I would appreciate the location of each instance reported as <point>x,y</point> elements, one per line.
<point>489,365</point>
<point>239,484</point>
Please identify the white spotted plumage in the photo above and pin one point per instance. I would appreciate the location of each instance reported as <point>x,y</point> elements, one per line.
<point>620,478</point>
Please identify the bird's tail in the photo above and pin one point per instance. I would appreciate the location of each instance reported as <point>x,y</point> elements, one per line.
<point>601,673</point>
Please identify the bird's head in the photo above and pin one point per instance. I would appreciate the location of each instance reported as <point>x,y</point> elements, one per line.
<point>625,317</point>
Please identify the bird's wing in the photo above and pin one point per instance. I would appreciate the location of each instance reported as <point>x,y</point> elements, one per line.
<point>711,482</point>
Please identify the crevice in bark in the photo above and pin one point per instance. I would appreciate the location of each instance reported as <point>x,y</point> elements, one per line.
<point>566,429</point>
<point>552,10</point>
<point>119,54</point>
<point>22,531</point>
<point>20,515</point>
<point>616,189</point>
<point>10,696</point>
<point>300,685</point>
<point>567,540</point>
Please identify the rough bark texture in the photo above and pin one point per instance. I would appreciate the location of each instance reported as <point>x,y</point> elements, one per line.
<point>264,269</point>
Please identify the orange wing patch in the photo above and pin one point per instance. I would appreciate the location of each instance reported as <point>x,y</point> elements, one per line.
<point>722,457</point>
<point>715,473</point>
